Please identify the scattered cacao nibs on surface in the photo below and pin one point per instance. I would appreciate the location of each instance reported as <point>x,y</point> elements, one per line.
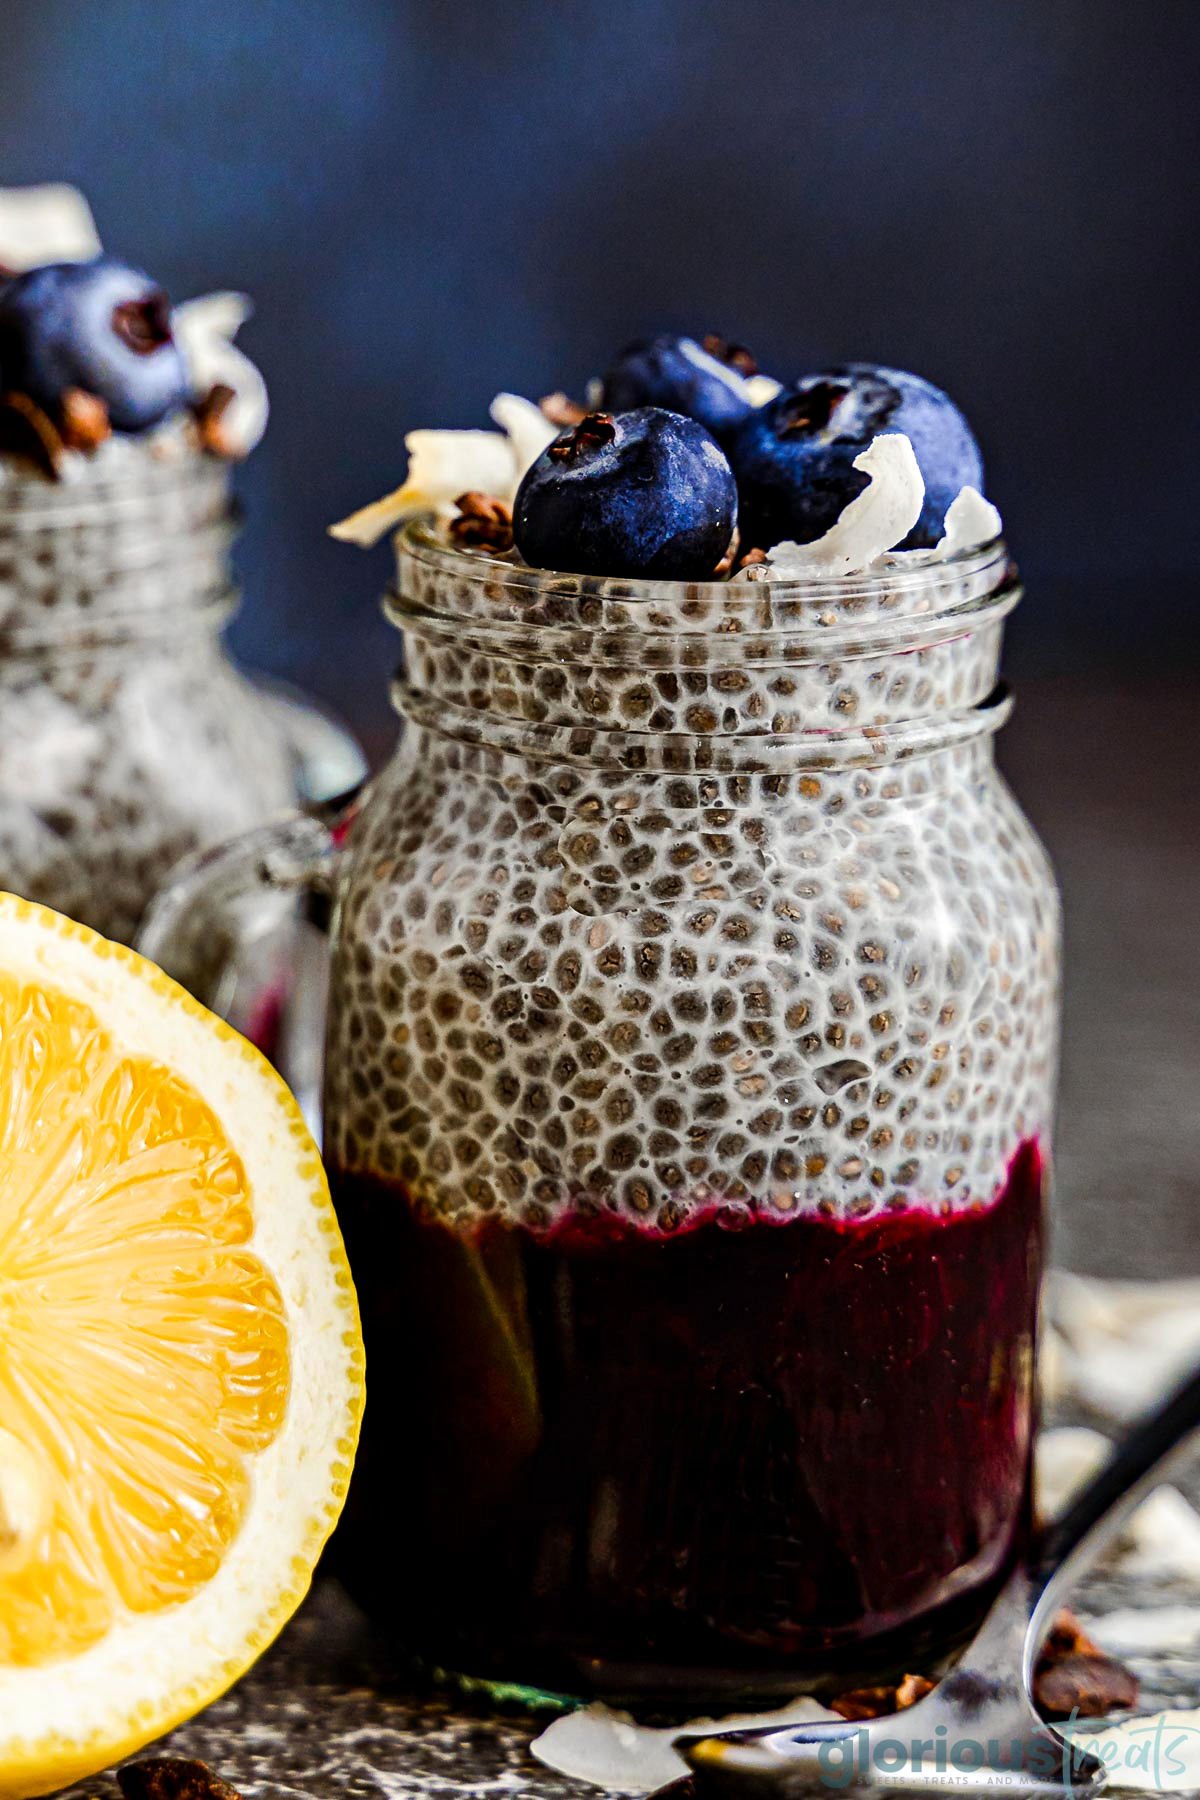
<point>173,1778</point>
<point>211,422</point>
<point>28,431</point>
<point>1074,1675</point>
<point>736,355</point>
<point>878,1702</point>
<point>484,522</point>
<point>84,420</point>
<point>1087,1686</point>
<point>560,409</point>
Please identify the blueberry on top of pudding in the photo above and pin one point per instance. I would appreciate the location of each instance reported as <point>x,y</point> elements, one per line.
<point>703,381</point>
<point>646,492</point>
<point>98,327</point>
<point>794,457</point>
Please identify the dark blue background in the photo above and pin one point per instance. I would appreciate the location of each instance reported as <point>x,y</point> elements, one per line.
<point>431,200</point>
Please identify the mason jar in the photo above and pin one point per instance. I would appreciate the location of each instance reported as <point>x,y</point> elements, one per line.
<point>688,1094</point>
<point>127,737</point>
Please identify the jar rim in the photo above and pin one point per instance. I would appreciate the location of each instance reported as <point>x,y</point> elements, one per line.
<point>419,539</point>
<point>497,606</point>
<point>33,501</point>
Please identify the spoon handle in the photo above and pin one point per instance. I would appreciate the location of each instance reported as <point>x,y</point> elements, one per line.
<point>1159,1444</point>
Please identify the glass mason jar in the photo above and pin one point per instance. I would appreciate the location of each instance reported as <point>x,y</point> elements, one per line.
<point>127,737</point>
<point>689,1079</point>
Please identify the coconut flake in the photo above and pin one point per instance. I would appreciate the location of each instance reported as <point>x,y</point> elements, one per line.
<point>444,464</point>
<point>441,466</point>
<point>528,429</point>
<point>882,515</point>
<point>205,330</point>
<point>1163,1538</point>
<point>1147,1630</point>
<point>1122,1344</point>
<point>970,521</point>
<point>45,224</point>
<point>760,390</point>
<point>609,1750</point>
<point>1065,1459</point>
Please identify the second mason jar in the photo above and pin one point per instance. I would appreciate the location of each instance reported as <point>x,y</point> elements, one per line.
<point>688,1099</point>
<point>127,737</point>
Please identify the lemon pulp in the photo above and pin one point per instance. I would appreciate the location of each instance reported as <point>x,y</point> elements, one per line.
<point>143,1345</point>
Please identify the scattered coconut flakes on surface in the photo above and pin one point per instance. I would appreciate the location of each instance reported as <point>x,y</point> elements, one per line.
<point>882,515</point>
<point>1141,1630</point>
<point>1118,1346</point>
<point>1065,1459</point>
<point>761,389</point>
<point>205,329</point>
<point>608,1750</point>
<point>1155,1753</point>
<point>528,429</point>
<point>441,466</point>
<point>1163,1537</point>
<point>45,224</point>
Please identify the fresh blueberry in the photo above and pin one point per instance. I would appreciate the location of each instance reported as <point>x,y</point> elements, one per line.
<point>98,326</point>
<point>639,493</point>
<point>794,457</point>
<point>703,381</point>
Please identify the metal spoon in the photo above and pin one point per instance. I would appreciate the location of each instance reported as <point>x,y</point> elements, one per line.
<point>979,1730</point>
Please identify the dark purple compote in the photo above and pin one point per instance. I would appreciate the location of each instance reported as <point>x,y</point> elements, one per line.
<point>600,1459</point>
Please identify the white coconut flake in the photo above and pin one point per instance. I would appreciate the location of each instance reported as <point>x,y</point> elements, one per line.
<point>205,330</point>
<point>1158,1753</point>
<point>528,429</point>
<point>881,516</point>
<point>608,1750</point>
<point>441,466</point>
<point>1121,1345</point>
<point>1065,1459</point>
<point>760,390</point>
<point>970,521</point>
<point>45,224</point>
<point>1162,1540</point>
<point>444,464</point>
<point>1147,1630</point>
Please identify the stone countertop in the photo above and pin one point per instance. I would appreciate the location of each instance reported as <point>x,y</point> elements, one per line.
<point>1108,775</point>
<point>327,1714</point>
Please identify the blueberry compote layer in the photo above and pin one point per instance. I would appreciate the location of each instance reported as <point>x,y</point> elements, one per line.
<point>603,1460</point>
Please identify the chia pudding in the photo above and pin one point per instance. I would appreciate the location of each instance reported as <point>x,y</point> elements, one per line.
<point>689,1086</point>
<point>127,738</point>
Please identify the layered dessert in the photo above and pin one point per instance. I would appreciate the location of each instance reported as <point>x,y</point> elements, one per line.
<point>692,1043</point>
<point>126,737</point>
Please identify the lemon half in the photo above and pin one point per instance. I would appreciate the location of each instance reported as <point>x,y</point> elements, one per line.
<point>181,1366</point>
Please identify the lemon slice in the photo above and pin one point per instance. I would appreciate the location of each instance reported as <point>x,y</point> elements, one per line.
<point>181,1369</point>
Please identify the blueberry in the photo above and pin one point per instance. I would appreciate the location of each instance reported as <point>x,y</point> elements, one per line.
<point>98,326</point>
<point>639,493</point>
<point>794,457</point>
<point>702,381</point>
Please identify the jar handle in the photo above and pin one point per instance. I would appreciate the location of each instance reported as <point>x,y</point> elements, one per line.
<point>244,927</point>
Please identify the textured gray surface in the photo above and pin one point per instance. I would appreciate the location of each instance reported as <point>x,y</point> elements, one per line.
<point>1109,778</point>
